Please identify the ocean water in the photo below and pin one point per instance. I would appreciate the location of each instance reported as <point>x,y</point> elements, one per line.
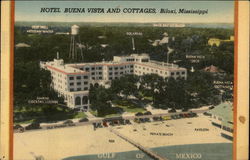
<point>211,151</point>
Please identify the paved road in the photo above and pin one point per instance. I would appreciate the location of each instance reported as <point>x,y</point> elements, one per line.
<point>99,120</point>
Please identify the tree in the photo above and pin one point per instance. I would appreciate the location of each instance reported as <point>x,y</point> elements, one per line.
<point>100,99</point>
<point>126,85</point>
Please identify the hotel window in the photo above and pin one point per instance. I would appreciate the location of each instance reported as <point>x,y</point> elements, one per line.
<point>93,78</point>
<point>78,77</point>
<point>116,73</point>
<point>79,83</point>
<point>93,73</point>
<point>121,72</point>
<point>144,60</point>
<point>156,71</point>
<point>100,78</point>
<point>143,68</point>
<point>78,89</point>
<point>172,73</point>
<point>86,69</point>
<point>85,77</point>
<point>110,68</point>
<point>71,89</point>
<point>71,84</point>
<point>110,78</point>
<point>85,88</point>
<point>182,72</point>
<point>116,68</point>
<point>85,83</point>
<point>131,66</point>
<point>160,71</point>
<point>177,73</point>
<point>116,77</point>
<point>93,68</point>
<point>121,67</point>
<point>100,67</point>
<point>100,72</point>
<point>110,73</point>
<point>71,78</point>
<point>166,73</point>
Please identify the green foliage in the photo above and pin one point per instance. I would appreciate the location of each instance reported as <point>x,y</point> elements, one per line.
<point>126,85</point>
<point>100,99</point>
<point>43,113</point>
<point>30,82</point>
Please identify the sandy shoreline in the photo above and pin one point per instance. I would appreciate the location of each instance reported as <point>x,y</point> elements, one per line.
<point>65,142</point>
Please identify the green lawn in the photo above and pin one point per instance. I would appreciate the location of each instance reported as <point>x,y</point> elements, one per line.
<point>128,106</point>
<point>24,122</point>
<point>80,115</point>
<point>93,112</point>
<point>149,98</point>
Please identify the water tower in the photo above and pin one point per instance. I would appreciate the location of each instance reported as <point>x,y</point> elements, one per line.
<point>75,43</point>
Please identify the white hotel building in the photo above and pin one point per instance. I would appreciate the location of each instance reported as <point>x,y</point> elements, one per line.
<point>72,81</point>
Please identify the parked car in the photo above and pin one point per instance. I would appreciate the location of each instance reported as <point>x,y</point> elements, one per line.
<point>181,115</point>
<point>212,107</point>
<point>186,115</point>
<point>192,114</point>
<point>116,122</point>
<point>136,120</point>
<point>142,120</point>
<point>99,125</point>
<point>105,124</point>
<point>147,120</point>
<point>127,121</point>
<point>166,117</point>
<point>207,114</point>
<point>111,123</point>
<point>69,123</point>
<point>155,118</point>
<point>172,110</point>
<point>19,128</point>
<point>148,113</point>
<point>174,117</point>
<point>33,125</point>
<point>122,121</point>
<point>84,120</point>
<point>139,114</point>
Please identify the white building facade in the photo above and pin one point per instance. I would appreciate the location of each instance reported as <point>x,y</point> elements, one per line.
<point>72,81</point>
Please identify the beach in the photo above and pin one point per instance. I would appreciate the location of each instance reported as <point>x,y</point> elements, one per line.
<point>60,143</point>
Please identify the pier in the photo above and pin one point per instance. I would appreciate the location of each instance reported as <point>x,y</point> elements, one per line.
<point>146,150</point>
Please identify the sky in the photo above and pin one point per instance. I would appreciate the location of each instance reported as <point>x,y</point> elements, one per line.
<point>218,11</point>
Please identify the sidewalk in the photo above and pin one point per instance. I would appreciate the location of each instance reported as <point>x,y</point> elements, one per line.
<point>91,116</point>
